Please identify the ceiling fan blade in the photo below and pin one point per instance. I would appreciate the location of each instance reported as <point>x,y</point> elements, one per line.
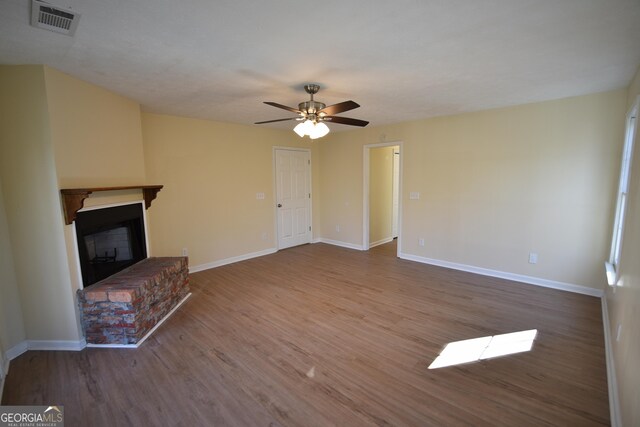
<point>346,121</point>
<point>276,120</point>
<point>339,108</point>
<point>284,107</point>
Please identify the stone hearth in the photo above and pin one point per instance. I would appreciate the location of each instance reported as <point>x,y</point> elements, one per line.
<point>123,308</point>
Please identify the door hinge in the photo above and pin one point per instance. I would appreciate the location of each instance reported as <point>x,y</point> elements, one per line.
<point>309,228</point>
<point>308,162</point>
<point>309,195</point>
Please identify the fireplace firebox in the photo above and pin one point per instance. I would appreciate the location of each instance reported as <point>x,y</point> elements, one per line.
<point>109,240</point>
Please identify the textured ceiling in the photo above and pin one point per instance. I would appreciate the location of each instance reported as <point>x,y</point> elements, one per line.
<point>400,60</point>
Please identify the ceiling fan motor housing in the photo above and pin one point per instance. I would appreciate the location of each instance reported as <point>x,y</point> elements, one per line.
<point>311,107</point>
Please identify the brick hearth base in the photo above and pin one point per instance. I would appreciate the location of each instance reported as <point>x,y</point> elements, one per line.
<point>123,308</point>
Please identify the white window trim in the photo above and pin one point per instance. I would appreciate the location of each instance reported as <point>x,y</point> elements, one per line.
<point>612,266</point>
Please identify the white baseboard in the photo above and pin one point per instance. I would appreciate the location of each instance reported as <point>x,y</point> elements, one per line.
<point>612,381</point>
<point>569,287</point>
<point>339,243</point>
<point>147,335</point>
<point>380,242</point>
<point>231,260</point>
<point>5,371</point>
<point>55,345</point>
<point>4,368</point>
<point>16,350</point>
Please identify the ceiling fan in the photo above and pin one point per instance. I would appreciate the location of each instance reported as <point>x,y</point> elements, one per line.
<point>312,115</point>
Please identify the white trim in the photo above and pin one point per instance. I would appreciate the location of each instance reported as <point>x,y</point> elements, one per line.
<point>339,243</point>
<point>610,270</point>
<point>146,230</point>
<point>5,371</point>
<point>612,381</point>
<point>366,173</point>
<point>545,283</point>
<point>16,350</point>
<point>380,242</point>
<point>630,135</point>
<point>231,260</point>
<point>147,335</point>
<point>76,256</point>
<point>365,192</point>
<point>56,345</point>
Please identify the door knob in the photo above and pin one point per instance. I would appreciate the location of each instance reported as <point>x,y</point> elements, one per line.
<point>279,205</point>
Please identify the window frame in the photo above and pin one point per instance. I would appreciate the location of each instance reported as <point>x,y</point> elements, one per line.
<point>612,266</point>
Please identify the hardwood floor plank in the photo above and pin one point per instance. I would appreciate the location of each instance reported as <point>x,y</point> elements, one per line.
<point>318,335</point>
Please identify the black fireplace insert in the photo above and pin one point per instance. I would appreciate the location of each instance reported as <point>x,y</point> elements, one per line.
<point>109,240</point>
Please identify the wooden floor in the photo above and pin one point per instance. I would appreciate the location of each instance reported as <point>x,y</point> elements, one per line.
<point>319,335</point>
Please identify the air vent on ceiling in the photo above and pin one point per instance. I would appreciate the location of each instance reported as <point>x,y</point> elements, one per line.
<point>53,18</point>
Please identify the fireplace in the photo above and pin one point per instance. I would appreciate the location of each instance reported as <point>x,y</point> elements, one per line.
<point>109,240</point>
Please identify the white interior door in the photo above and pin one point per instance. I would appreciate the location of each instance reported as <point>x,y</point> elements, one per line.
<point>293,197</point>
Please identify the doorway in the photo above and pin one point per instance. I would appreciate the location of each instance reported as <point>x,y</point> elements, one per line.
<point>382,188</point>
<point>292,174</point>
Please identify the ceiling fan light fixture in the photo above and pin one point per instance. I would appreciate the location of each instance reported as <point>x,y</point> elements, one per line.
<point>300,129</point>
<point>319,130</point>
<point>311,128</point>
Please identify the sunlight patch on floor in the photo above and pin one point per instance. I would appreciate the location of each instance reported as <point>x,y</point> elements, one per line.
<point>475,349</point>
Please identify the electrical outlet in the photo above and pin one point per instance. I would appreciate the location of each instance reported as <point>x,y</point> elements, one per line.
<point>185,252</point>
<point>421,241</point>
<point>533,258</point>
<point>260,196</point>
<point>414,195</point>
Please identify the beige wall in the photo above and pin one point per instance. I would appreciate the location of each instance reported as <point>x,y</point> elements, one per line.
<point>211,173</point>
<point>32,205</point>
<point>624,301</point>
<point>11,322</point>
<point>96,137</point>
<point>495,185</point>
<point>380,194</point>
<point>341,187</point>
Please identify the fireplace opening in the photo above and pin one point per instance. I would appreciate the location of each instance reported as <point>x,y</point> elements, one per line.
<point>109,240</point>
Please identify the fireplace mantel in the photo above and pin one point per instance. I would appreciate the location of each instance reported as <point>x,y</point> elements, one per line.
<point>73,198</point>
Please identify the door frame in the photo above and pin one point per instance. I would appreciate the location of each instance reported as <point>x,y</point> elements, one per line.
<point>274,183</point>
<point>365,192</point>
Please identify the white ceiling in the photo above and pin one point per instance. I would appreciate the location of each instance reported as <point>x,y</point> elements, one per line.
<point>400,60</point>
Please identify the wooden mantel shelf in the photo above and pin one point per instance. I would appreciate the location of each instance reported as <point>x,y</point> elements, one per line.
<point>73,198</point>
